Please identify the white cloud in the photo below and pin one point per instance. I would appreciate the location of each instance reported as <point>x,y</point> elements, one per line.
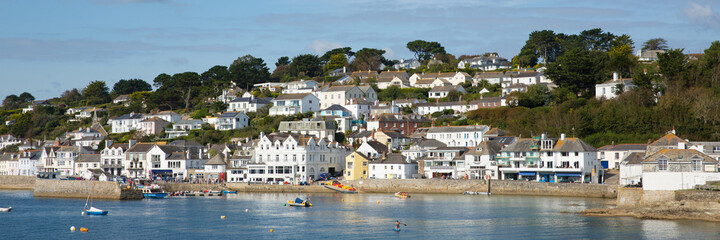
<point>389,53</point>
<point>702,15</point>
<point>319,47</point>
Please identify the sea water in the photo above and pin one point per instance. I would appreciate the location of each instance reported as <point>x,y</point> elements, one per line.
<point>333,216</point>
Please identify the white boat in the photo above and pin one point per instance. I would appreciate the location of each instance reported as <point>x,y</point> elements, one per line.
<point>6,209</point>
<point>476,193</point>
<point>92,210</point>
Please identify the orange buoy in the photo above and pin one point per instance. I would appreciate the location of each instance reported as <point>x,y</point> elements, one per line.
<point>272,230</point>
<point>82,229</point>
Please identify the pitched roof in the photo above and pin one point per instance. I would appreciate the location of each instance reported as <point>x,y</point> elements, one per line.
<point>392,158</point>
<point>486,148</point>
<point>253,100</point>
<point>486,75</point>
<point>216,160</point>
<point>573,145</point>
<point>445,88</point>
<point>292,96</point>
<point>185,143</point>
<point>393,134</point>
<point>669,139</point>
<point>425,143</point>
<point>378,146</point>
<point>360,134</point>
<point>520,145</point>
<point>679,155</point>
<point>230,114</point>
<point>634,158</point>
<point>89,158</point>
<point>141,147</point>
<point>525,74</point>
<point>624,147</point>
<point>155,119</point>
<point>336,107</point>
<point>467,128</point>
<point>343,88</point>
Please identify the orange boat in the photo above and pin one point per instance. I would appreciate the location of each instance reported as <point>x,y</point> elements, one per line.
<point>403,195</point>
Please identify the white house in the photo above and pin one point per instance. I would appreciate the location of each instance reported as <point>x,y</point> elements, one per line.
<point>550,160</point>
<point>112,159</point>
<point>444,162</point>
<point>153,126</point>
<point>407,64</point>
<point>631,168</point>
<point>677,169</point>
<point>359,108</point>
<point>480,160</point>
<point>372,149</point>
<point>431,107</point>
<point>87,162</point>
<point>9,140</point>
<point>609,89</point>
<point>489,62</point>
<point>295,158</point>
<point>291,104</point>
<point>27,162</point>
<point>339,95</point>
<point>610,156</point>
<point>126,123</point>
<point>490,77</point>
<point>441,92</point>
<point>301,86</point>
<point>232,120</point>
<point>454,78</point>
<point>168,116</point>
<point>183,127</point>
<point>420,148</point>
<point>393,78</point>
<point>317,128</point>
<point>393,166</point>
<point>459,136</point>
<point>526,77</point>
<point>249,104</point>
<point>215,167</point>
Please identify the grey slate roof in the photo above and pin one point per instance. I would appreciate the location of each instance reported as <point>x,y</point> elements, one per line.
<point>573,145</point>
<point>393,158</point>
<point>634,158</point>
<point>335,107</point>
<point>378,146</point>
<point>253,100</point>
<point>89,158</point>
<point>425,143</point>
<point>292,96</point>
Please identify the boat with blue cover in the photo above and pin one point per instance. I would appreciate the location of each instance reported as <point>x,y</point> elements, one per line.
<point>300,203</point>
<point>154,193</point>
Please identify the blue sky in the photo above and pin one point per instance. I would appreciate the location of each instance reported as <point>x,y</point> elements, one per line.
<point>47,47</point>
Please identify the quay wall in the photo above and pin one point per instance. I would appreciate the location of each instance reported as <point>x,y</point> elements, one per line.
<point>17,182</point>
<point>81,189</point>
<point>496,187</point>
<point>244,187</point>
<point>175,187</point>
<point>697,195</point>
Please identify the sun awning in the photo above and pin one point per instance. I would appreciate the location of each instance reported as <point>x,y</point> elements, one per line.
<point>527,174</point>
<point>568,175</point>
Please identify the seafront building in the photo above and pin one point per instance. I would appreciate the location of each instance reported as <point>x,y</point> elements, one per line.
<point>295,158</point>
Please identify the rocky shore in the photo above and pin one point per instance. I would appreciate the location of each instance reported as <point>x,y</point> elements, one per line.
<point>670,210</point>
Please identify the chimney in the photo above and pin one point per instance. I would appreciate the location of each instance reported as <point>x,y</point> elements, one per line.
<point>131,143</point>
<point>562,136</point>
<point>344,69</point>
<point>616,75</point>
<point>433,123</point>
<point>682,145</point>
<point>613,143</point>
<point>384,155</point>
<point>187,154</point>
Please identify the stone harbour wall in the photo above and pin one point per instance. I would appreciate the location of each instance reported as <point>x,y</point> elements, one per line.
<point>697,195</point>
<point>175,187</point>
<point>17,182</point>
<point>496,187</point>
<point>81,189</point>
<point>244,187</point>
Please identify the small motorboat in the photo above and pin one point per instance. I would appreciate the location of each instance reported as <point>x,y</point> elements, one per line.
<point>95,211</point>
<point>475,193</point>
<point>403,195</point>
<point>299,203</point>
<point>228,191</point>
<point>6,209</point>
<point>154,193</point>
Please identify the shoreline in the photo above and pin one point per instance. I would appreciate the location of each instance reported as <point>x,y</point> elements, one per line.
<point>672,210</point>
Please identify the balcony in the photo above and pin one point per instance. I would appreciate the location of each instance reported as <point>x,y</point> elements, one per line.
<point>441,167</point>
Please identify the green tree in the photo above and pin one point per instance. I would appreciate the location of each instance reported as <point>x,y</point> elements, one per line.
<point>596,39</point>
<point>578,70</point>
<point>655,44</point>
<point>282,61</point>
<point>527,57</point>
<point>622,59</point>
<point>11,102</point>
<point>544,44</point>
<point>347,51</point>
<point>215,80</point>
<point>671,65</point>
<point>710,65</point>
<point>306,65</point>
<point>424,50</point>
<point>368,59</point>
<point>96,93</point>
<point>535,96</point>
<point>337,61</point>
<point>71,97</point>
<point>26,97</point>
<point>130,86</point>
<point>186,82</point>
<point>248,70</point>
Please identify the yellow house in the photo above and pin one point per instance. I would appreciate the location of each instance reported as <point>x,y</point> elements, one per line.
<point>356,166</point>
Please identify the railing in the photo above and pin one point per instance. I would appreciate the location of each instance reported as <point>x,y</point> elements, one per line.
<point>441,167</point>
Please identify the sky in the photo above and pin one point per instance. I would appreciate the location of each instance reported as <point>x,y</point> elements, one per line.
<point>47,47</point>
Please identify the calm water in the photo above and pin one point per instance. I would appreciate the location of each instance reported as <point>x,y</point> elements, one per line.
<point>358,217</point>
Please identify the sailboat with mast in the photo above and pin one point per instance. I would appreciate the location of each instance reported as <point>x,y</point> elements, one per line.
<point>92,210</point>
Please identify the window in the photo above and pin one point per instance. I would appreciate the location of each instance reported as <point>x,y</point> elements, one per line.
<point>696,165</point>
<point>577,154</point>
<point>564,154</point>
<point>617,155</point>
<point>365,164</point>
<point>662,165</point>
